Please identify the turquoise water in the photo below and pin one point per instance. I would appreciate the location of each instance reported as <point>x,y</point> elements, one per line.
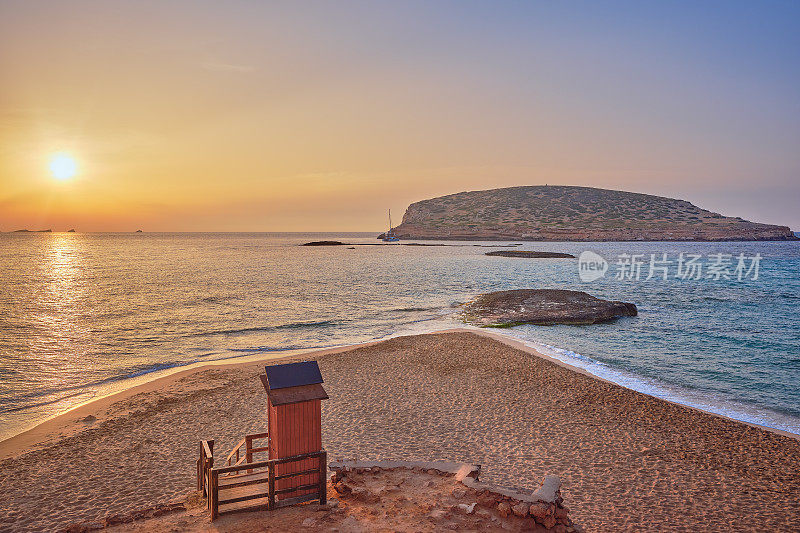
<point>82,312</point>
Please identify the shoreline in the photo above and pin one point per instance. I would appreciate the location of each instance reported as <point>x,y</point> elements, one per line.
<point>36,435</point>
<point>627,461</point>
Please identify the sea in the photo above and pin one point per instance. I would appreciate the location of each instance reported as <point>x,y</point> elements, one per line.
<point>83,315</point>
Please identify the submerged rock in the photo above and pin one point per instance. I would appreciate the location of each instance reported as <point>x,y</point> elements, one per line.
<point>530,255</point>
<point>542,307</point>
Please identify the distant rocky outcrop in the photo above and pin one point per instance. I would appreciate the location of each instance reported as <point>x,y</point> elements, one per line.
<point>32,231</point>
<point>138,231</point>
<point>563,213</point>
<point>71,231</point>
<point>324,243</point>
<point>543,307</point>
<point>530,255</point>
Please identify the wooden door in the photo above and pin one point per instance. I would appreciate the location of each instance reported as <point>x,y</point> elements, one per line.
<point>295,429</point>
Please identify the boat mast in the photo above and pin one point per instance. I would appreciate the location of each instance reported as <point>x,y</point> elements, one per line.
<point>390,220</point>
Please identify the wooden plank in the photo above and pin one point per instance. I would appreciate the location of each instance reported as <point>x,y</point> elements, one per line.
<point>237,468</point>
<point>245,483</point>
<point>297,499</point>
<point>214,494</point>
<point>294,458</point>
<point>245,509</point>
<point>208,446</point>
<point>314,486</point>
<point>301,473</point>
<point>243,498</point>
<point>271,486</point>
<point>259,449</point>
<point>323,478</point>
<point>230,476</point>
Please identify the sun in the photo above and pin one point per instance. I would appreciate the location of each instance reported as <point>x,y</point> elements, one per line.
<point>63,166</point>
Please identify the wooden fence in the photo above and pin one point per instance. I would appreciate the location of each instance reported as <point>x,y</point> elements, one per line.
<point>244,480</point>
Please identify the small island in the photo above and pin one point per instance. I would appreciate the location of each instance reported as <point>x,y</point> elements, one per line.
<point>566,213</point>
<point>530,254</point>
<point>542,307</point>
<point>324,243</point>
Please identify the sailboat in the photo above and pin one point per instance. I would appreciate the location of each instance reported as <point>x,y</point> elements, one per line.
<point>389,236</point>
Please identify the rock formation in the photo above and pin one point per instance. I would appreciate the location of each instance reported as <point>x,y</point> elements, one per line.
<point>543,307</point>
<point>530,255</point>
<point>324,243</point>
<point>562,213</point>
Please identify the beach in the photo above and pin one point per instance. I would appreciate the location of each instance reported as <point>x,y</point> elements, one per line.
<point>627,461</point>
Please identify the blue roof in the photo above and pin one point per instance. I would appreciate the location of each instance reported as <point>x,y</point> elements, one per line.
<point>293,375</point>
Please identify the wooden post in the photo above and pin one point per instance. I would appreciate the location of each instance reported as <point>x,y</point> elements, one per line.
<point>214,493</point>
<point>248,455</point>
<point>198,472</point>
<point>271,477</point>
<point>323,481</point>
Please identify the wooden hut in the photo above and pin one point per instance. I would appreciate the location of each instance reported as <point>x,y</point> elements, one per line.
<point>294,396</point>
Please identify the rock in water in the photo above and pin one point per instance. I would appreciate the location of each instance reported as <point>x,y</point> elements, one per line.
<point>543,307</point>
<point>530,255</point>
<point>324,243</point>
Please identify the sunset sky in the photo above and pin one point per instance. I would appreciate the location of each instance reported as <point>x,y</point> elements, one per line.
<point>319,116</point>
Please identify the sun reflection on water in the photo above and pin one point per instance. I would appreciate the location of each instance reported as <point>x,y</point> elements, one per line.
<point>60,330</point>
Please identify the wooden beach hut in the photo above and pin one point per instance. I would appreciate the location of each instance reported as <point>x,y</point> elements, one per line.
<point>294,402</point>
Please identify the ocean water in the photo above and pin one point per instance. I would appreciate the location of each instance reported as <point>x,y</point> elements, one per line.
<point>82,315</point>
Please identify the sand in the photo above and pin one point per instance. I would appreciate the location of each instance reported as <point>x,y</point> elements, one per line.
<point>389,501</point>
<point>627,461</point>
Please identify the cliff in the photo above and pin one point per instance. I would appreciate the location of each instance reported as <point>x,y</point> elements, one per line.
<point>565,213</point>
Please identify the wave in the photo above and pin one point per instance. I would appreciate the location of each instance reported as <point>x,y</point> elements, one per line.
<point>255,329</point>
<point>46,402</point>
<point>413,309</point>
<point>769,417</point>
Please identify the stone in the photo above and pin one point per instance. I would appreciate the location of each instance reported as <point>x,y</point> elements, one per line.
<point>366,495</point>
<point>548,492</point>
<point>539,510</point>
<point>309,522</point>
<point>530,255</point>
<point>469,509</point>
<point>542,307</point>
<point>549,522</point>
<point>520,509</point>
<point>459,493</point>
<point>561,512</point>
<point>560,528</point>
<point>439,514</point>
<point>504,509</point>
<point>324,243</point>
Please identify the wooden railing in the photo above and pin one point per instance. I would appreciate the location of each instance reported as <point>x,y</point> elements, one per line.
<point>204,464</point>
<point>249,450</point>
<point>241,471</point>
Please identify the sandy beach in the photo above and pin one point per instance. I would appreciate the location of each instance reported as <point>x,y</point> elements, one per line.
<point>627,461</point>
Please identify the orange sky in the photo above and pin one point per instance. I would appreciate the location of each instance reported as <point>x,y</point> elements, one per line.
<point>279,117</point>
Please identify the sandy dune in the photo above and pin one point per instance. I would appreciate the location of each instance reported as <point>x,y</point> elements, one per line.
<point>627,461</point>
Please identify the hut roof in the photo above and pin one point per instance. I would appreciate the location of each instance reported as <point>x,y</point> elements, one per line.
<point>293,382</point>
<point>293,374</point>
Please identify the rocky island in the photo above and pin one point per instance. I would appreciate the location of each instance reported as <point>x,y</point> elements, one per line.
<point>542,307</point>
<point>565,213</point>
<point>525,254</point>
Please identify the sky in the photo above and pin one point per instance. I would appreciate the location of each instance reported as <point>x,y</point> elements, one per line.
<point>321,116</point>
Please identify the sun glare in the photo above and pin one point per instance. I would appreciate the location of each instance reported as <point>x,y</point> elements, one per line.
<point>63,166</point>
